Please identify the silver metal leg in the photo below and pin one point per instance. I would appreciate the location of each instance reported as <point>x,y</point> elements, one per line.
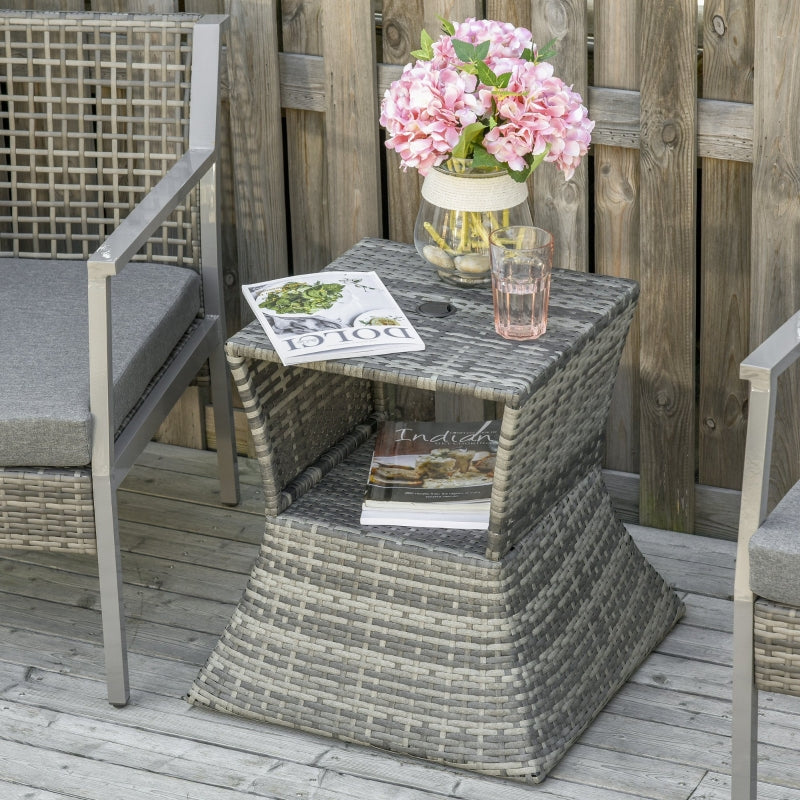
<point>744,754</point>
<point>109,563</point>
<point>227,462</point>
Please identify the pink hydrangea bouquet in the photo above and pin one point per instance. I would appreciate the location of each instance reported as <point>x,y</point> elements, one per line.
<point>483,91</point>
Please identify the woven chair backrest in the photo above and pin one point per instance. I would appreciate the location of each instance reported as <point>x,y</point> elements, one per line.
<point>94,109</point>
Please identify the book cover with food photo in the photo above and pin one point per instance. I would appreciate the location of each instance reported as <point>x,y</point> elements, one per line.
<point>326,315</point>
<point>432,474</point>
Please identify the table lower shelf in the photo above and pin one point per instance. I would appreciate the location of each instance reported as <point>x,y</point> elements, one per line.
<point>435,651</point>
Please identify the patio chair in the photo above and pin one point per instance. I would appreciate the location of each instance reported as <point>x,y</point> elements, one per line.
<point>766,627</point>
<point>109,266</point>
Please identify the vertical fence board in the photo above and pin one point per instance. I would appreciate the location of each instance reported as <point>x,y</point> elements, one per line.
<point>725,254</point>
<point>305,148</point>
<point>616,205</point>
<point>257,141</point>
<point>44,5</point>
<point>775,289</point>
<point>205,6</point>
<point>561,206</point>
<point>667,308</point>
<point>403,20</point>
<point>351,123</point>
<point>135,6</point>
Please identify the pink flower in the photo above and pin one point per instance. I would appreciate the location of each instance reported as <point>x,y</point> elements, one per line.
<point>505,40</point>
<point>539,112</point>
<point>427,109</point>
<point>424,112</point>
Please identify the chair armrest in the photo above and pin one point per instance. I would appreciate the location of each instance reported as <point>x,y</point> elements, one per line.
<point>118,248</point>
<point>112,256</point>
<point>778,352</point>
<point>761,368</point>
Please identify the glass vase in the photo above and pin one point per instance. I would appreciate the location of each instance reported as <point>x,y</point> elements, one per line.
<point>460,206</point>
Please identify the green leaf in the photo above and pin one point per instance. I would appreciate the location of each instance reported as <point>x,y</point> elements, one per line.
<point>536,160</point>
<point>502,80</point>
<point>468,137</point>
<point>485,75</point>
<point>520,176</point>
<point>425,52</point>
<point>548,51</point>
<point>482,158</point>
<point>527,54</point>
<point>447,26</point>
<point>482,50</point>
<point>533,162</point>
<point>464,51</point>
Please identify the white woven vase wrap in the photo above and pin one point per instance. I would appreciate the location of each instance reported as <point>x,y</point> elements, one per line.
<point>493,192</point>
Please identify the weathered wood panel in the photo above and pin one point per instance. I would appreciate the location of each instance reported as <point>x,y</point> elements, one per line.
<point>307,164</point>
<point>725,255</point>
<point>402,23</point>
<point>616,218</point>
<point>351,130</point>
<point>667,305</point>
<point>776,210</point>
<point>134,6</point>
<point>257,140</point>
<point>562,206</point>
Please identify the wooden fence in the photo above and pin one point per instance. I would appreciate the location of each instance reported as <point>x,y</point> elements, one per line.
<point>692,189</point>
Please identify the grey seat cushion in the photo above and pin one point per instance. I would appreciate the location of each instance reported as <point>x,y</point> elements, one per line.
<point>775,552</point>
<point>44,353</point>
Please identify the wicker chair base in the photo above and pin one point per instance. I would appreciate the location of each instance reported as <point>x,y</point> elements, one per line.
<point>776,631</point>
<point>47,509</point>
<point>367,635</point>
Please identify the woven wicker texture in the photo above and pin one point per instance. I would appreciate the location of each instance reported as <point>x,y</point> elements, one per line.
<point>47,509</point>
<point>94,112</point>
<point>420,645</point>
<point>279,402</point>
<point>487,652</point>
<point>776,650</point>
<point>571,371</point>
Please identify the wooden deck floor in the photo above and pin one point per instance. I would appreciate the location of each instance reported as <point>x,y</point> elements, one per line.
<point>665,736</point>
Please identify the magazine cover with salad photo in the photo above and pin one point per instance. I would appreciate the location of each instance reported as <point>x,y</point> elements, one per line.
<point>432,474</point>
<point>326,315</point>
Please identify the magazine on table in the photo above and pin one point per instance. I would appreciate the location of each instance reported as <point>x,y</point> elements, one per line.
<point>432,474</point>
<point>324,315</point>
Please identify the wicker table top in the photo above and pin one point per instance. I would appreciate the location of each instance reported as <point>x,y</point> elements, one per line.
<point>463,354</point>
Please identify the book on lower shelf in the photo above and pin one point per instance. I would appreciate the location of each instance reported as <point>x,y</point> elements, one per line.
<point>324,315</point>
<point>432,474</point>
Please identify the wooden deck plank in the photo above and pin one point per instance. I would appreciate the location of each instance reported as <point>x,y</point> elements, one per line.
<point>718,787</point>
<point>665,735</point>
<point>44,584</point>
<point>15,791</point>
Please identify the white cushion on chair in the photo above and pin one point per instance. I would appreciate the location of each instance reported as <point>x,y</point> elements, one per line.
<point>775,552</point>
<point>44,354</point>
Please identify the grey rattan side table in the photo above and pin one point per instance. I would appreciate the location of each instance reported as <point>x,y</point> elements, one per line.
<point>486,651</point>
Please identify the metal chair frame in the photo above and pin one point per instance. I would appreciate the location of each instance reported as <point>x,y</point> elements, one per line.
<point>762,369</point>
